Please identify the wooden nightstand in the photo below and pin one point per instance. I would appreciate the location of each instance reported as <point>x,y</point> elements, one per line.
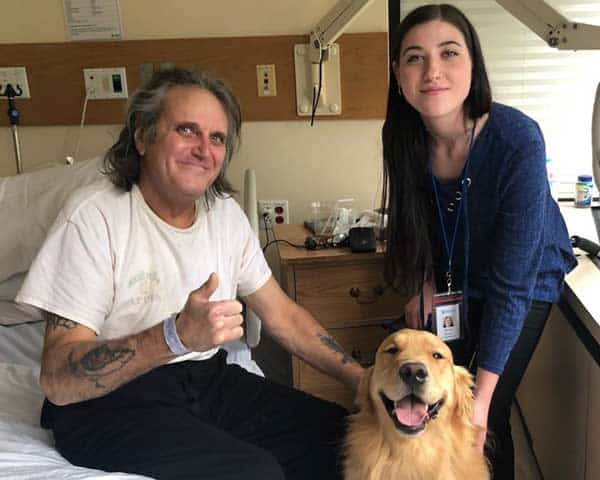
<point>346,293</point>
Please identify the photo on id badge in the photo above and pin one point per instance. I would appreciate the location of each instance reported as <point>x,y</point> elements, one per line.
<point>447,310</point>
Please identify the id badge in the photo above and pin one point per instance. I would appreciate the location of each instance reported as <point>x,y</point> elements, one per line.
<point>447,313</point>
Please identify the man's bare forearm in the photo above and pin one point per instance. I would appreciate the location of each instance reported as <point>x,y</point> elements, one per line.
<point>86,369</point>
<point>313,344</point>
<point>333,345</point>
<point>341,365</point>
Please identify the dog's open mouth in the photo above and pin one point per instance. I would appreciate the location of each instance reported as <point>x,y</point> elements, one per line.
<point>410,414</point>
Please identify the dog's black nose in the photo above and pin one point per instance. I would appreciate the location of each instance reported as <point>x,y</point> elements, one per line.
<point>414,373</point>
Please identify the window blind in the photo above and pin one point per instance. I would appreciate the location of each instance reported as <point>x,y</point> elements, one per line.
<point>554,87</point>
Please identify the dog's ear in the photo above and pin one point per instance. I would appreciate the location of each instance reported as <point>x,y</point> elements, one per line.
<point>363,399</point>
<point>463,392</point>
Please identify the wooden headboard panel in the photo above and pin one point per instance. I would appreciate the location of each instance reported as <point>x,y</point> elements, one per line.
<point>55,74</point>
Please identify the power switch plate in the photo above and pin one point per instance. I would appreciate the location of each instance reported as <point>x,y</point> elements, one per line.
<point>105,83</point>
<point>17,77</point>
<point>266,80</point>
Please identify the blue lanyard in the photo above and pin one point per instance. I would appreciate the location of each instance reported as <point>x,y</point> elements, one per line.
<point>464,180</point>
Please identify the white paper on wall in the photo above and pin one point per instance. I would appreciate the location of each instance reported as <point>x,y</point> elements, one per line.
<point>93,19</point>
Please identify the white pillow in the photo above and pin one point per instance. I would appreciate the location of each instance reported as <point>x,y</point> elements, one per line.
<point>22,344</point>
<point>10,286</point>
<point>29,204</point>
<point>12,313</point>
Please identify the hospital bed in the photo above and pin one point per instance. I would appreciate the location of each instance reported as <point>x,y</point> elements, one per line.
<point>29,203</point>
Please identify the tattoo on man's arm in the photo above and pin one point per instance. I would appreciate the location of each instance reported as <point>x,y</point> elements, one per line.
<point>336,347</point>
<point>54,321</point>
<point>100,362</point>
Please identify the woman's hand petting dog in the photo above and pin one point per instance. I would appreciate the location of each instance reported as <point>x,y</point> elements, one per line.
<point>413,316</point>
<point>485,384</point>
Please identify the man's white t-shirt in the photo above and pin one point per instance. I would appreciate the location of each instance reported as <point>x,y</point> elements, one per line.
<point>111,264</point>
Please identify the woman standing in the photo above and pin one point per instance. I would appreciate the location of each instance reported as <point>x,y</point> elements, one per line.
<point>470,212</point>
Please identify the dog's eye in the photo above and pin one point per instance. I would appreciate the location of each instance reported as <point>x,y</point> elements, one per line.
<point>437,355</point>
<point>392,350</point>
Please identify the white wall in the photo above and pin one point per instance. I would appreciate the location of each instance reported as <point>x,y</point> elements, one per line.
<point>292,160</point>
<point>31,21</point>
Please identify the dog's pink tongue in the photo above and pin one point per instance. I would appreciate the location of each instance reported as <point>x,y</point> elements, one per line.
<point>410,412</point>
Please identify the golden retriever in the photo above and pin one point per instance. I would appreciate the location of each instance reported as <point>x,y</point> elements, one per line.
<point>415,414</point>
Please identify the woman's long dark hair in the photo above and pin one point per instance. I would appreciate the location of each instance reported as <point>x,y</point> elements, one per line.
<point>406,155</point>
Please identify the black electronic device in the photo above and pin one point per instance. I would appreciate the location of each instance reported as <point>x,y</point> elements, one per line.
<point>310,243</point>
<point>586,245</point>
<point>596,217</point>
<point>362,239</point>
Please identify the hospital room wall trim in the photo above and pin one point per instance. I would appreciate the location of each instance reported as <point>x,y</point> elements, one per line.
<point>55,74</point>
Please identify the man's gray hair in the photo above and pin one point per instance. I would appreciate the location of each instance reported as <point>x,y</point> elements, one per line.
<point>145,107</point>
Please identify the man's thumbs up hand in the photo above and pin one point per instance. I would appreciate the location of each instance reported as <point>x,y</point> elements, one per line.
<point>204,324</point>
<point>209,287</point>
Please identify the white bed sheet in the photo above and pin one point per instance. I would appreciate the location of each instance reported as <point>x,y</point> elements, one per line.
<point>26,450</point>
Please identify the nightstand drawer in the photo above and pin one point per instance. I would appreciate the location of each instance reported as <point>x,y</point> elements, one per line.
<point>347,295</point>
<point>360,342</point>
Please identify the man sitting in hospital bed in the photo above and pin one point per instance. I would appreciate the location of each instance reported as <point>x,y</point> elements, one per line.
<point>137,280</point>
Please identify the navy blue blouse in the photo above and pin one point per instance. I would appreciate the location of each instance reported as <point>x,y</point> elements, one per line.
<point>519,248</point>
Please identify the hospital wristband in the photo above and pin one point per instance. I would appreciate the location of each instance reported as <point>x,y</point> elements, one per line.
<point>171,338</point>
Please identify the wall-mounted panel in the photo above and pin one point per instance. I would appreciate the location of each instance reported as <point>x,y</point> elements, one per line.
<point>56,84</point>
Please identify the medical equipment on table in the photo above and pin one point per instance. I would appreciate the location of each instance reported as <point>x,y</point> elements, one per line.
<point>329,219</point>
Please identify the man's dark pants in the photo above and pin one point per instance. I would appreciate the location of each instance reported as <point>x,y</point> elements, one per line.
<point>202,420</point>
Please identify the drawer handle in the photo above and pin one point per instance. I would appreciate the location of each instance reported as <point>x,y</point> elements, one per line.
<point>361,297</point>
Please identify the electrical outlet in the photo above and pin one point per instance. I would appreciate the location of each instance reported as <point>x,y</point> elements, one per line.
<point>266,81</point>
<point>17,77</point>
<point>105,83</point>
<point>272,212</point>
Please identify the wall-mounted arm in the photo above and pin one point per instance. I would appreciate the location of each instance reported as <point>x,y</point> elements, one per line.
<point>318,83</point>
<point>550,25</point>
<point>333,24</point>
